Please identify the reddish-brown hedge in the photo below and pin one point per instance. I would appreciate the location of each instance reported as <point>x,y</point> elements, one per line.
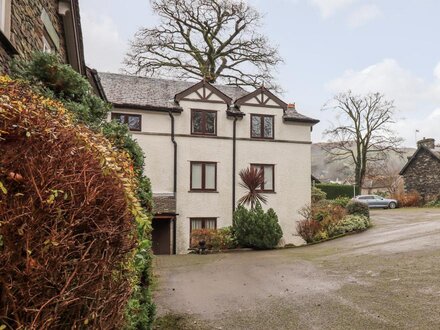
<point>66,226</point>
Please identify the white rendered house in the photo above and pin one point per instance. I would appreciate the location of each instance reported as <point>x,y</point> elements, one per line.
<point>197,137</point>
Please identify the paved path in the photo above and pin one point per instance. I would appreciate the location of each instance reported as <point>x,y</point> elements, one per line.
<point>385,278</point>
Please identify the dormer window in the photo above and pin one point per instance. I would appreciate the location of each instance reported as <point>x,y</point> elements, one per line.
<point>262,126</point>
<point>203,122</point>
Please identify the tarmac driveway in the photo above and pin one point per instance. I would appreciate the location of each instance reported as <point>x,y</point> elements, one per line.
<point>385,278</point>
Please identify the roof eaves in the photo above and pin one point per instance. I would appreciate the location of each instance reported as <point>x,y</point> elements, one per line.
<point>147,107</point>
<point>301,120</point>
<point>97,81</point>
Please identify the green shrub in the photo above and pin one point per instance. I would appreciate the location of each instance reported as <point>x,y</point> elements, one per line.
<point>334,191</point>
<point>255,228</point>
<point>350,223</point>
<point>341,201</point>
<point>358,208</point>
<point>54,79</point>
<point>321,236</point>
<point>318,195</point>
<point>225,239</point>
<point>433,203</point>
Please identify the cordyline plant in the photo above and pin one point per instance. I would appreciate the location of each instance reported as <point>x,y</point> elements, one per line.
<point>252,178</point>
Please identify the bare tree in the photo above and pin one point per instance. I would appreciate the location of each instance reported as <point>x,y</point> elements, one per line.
<point>362,134</point>
<point>205,39</point>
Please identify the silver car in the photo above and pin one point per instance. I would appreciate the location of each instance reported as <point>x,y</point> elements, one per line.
<point>377,201</point>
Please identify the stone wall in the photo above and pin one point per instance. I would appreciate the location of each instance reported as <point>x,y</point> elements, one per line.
<point>423,175</point>
<point>4,58</point>
<point>27,28</point>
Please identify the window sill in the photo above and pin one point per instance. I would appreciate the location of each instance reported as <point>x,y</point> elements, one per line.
<point>267,192</point>
<point>262,139</point>
<point>203,134</point>
<point>204,191</point>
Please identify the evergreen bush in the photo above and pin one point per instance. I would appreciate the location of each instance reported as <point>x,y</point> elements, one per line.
<point>350,223</point>
<point>334,190</point>
<point>54,79</point>
<point>341,201</point>
<point>318,195</point>
<point>358,208</point>
<point>255,228</point>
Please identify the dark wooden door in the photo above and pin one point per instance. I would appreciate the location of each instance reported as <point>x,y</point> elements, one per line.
<point>161,236</point>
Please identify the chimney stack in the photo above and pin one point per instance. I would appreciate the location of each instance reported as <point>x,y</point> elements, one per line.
<point>291,106</point>
<point>427,143</point>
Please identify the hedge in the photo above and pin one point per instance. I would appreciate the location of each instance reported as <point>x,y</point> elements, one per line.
<point>74,237</point>
<point>334,191</point>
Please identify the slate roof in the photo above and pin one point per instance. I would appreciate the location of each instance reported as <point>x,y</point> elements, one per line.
<point>154,93</point>
<point>434,152</point>
<point>293,115</point>
<point>164,204</point>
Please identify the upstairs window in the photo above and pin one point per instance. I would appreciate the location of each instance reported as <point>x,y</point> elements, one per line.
<point>203,122</point>
<point>203,176</point>
<point>133,121</point>
<point>269,177</point>
<point>262,126</point>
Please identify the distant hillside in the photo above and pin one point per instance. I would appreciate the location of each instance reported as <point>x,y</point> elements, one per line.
<point>325,170</point>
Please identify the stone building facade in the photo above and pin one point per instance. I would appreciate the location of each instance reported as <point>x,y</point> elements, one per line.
<point>422,171</point>
<point>41,25</point>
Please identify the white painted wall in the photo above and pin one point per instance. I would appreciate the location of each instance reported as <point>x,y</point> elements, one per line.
<point>291,157</point>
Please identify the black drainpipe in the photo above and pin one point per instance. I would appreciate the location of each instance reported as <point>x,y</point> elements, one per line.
<point>234,147</point>
<point>174,178</point>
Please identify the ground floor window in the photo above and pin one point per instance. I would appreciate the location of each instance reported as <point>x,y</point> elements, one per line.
<point>203,223</point>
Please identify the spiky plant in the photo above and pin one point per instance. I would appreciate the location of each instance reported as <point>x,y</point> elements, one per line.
<point>252,178</point>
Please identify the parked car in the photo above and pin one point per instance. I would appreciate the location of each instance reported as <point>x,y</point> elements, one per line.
<point>377,201</point>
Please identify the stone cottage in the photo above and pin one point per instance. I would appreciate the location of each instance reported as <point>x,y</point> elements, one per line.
<point>422,171</point>
<point>41,25</point>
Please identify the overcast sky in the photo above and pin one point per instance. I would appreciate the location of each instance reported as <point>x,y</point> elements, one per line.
<point>388,46</point>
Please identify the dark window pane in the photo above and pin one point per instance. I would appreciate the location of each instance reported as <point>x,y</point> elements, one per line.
<point>119,118</point>
<point>256,126</point>
<point>268,127</point>
<point>134,122</point>
<point>197,122</point>
<point>210,122</point>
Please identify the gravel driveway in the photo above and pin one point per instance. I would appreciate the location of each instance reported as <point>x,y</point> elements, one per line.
<point>385,278</point>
